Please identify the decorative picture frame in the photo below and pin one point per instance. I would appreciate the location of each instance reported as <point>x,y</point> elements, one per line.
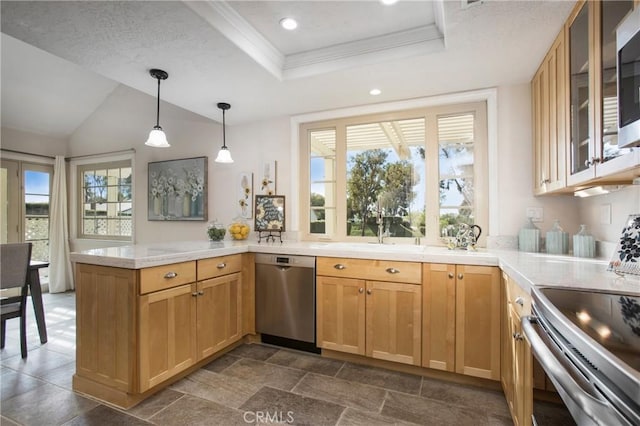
<point>269,213</point>
<point>269,177</point>
<point>245,195</point>
<point>177,189</point>
<point>626,257</point>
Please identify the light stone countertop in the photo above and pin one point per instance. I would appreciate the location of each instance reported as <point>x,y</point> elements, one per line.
<point>526,269</point>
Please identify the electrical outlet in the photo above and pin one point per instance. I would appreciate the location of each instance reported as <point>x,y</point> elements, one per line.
<point>535,213</point>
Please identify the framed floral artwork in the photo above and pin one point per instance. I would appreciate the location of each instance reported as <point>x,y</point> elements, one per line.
<point>268,177</point>
<point>245,195</point>
<point>270,213</point>
<point>178,189</point>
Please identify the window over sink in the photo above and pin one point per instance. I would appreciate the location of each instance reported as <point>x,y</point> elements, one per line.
<point>421,172</point>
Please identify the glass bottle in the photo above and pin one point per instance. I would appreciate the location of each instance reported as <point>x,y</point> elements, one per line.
<point>216,231</point>
<point>557,240</point>
<point>584,245</point>
<point>239,228</point>
<point>529,237</point>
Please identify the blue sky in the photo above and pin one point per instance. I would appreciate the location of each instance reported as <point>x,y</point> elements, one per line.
<point>36,183</point>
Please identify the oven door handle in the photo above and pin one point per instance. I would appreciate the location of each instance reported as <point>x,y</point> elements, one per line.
<point>590,410</point>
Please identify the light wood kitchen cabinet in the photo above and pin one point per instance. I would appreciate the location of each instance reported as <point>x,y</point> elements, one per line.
<point>478,321</point>
<point>594,156</point>
<point>167,334</point>
<point>439,316</point>
<point>517,365</point>
<point>550,117</point>
<point>137,329</point>
<point>375,315</point>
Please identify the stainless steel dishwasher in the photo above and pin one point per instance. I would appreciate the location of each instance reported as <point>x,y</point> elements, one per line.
<point>286,300</point>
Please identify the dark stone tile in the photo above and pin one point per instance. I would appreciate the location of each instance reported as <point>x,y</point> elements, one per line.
<point>46,405</point>
<point>352,417</point>
<point>343,392</point>
<point>260,373</point>
<point>429,412</point>
<point>496,420</point>
<point>225,390</point>
<point>105,416</point>
<point>552,414</point>
<point>492,402</point>
<point>392,380</point>
<point>14,383</point>
<point>155,403</point>
<point>292,408</point>
<point>7,422</point>
<point>254,351</point>
<point>307,362</point>
<point>218,365</point>
<point>193,411</point>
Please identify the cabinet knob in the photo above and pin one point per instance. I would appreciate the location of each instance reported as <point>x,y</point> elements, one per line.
<point>194,294</point>
<point>171,275</point>
<point>369,291</point>
<point>339,266</point>
<point>545,181</point>
<point>221,265</point>
<point>361,290</point>
<point>517,336</point>
<point>392,271</point>
<point>519,301</point>
<point>451,275</point>
<point>460,276</point>
<point>200,293</point>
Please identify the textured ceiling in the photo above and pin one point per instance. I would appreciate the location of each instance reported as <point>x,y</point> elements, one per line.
<point>494,43</point>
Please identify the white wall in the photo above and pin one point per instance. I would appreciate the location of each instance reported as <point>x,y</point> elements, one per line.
<point>621,204</point>
<point>32,143</point>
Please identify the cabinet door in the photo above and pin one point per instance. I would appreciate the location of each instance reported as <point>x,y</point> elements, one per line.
<point>394,319</point>
<point>478,321</point>
<point>522,373</point>
<point>506,346</point>
<point>219,322</point>
<point>167,334</point>
<point>340,314</point>
<point>438,316</point>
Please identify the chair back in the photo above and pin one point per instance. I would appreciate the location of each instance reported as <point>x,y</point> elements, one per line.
<point>14,264</point>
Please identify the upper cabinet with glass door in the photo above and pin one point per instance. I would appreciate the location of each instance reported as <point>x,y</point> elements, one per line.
<point>593,147</point>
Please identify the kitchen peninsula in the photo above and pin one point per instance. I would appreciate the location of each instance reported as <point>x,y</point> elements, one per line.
<point>150,314</point>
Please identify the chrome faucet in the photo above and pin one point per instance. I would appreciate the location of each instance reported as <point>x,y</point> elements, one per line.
<point>382,232</point>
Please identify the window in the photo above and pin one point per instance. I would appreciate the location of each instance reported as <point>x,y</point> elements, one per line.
<point>37,200</point>
<point>406,174</point>
<point>105,200</point>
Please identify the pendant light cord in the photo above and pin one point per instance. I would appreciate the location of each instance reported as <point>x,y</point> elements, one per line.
<point>158,106</point>
<point>224,127</point>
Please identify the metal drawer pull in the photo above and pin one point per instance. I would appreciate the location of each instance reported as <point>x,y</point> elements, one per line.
<point>194,294</point>
<point>460,276</point>
<point>519,301</point>
<point>171,275</point>
<point>222,265</point>
<point>361,290</point>
<point>518,336</point>
<point>339,266</point>
<point>451,275</point>
<point>392,270</point>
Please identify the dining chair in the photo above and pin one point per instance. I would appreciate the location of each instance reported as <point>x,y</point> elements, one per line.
<point>14,273</point>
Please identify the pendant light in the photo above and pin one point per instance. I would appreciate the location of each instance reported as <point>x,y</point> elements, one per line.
<point>157,138</point>
<point>224,156</point>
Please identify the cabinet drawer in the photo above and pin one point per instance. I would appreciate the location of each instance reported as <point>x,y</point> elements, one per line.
<point>519,299</point>
<point>218,266</point>
<point>378,270</point>
<point>167,276</point>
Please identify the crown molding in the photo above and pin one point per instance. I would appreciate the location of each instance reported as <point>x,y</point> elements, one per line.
<point>413,42</point>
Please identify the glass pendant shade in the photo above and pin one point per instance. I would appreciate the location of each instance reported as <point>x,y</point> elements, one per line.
<point>157,138</point>
<point>224,156</point>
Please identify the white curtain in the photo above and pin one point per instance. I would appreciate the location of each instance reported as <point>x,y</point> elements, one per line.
<point>60,272</point>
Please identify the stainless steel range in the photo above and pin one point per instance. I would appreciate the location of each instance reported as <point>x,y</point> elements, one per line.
<point>589,345</point>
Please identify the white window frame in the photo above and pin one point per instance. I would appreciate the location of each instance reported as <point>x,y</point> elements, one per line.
<point>489,96</point>
<point>77,198</point>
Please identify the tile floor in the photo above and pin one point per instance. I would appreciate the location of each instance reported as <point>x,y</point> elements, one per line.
<point>253,384</point>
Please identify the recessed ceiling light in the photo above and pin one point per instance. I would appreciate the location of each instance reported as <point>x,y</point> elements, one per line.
<point>288,24</point>
<point>388,2</point>
<point>375,92</point>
